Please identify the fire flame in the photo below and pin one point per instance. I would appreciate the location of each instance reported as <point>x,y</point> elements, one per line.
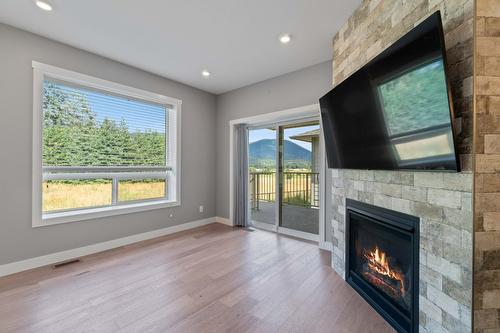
<point>377,261</point>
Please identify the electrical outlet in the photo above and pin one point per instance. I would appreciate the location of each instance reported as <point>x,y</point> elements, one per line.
<point>202,209</point>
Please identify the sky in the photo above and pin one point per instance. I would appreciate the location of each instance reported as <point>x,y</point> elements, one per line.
<point>142,116</point>
<point>259,134</point>
<point>138,115</point>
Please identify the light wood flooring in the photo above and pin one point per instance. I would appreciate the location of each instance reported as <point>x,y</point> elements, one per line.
<point>210,279</point>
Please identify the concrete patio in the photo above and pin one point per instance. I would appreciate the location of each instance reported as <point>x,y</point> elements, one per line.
<point>294,217</point>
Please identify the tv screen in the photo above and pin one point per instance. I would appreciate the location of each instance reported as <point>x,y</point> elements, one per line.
<point>395,112</point>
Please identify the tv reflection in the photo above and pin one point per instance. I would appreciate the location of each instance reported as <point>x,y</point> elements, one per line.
<point>415,107</point>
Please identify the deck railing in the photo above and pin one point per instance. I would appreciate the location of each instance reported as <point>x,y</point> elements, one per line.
<point>299,188</point>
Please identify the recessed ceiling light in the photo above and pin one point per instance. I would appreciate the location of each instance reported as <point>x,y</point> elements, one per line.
<point>43,5</point>
<point>285,39</point>
<point>205,73</point>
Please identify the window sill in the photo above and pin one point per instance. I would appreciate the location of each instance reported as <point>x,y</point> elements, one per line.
<point>95,213</point>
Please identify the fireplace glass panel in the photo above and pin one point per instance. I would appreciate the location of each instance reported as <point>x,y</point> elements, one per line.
<point>381,255</point>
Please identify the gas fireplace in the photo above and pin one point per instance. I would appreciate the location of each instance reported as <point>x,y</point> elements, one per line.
<point>382,261</point>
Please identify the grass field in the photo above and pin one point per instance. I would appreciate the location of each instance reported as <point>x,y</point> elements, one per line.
<point>84,194</point>
<point>60,196</point>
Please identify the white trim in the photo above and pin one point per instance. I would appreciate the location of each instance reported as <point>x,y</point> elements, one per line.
<point>37,176</point>
<point>289,115</point>
<point>272,117</point>
<point>327,246</point>
<point>40,72</point>
<point>62,256</point>
<point>105,175</point>
<point>223,220</point>
<point>70,169</point>
<point>99,212</point>
<point>101,84</point>
<point>279,116</point>
<point>174,183</point>
<point>298,234</point>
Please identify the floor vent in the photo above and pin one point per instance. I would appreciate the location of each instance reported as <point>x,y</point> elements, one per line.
<point>66,263</point>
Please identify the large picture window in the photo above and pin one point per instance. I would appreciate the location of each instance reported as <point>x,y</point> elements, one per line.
<point>100,148</point>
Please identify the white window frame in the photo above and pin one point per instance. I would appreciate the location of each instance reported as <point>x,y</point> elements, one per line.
<point>42,71</point>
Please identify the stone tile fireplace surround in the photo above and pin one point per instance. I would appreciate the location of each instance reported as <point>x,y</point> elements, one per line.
<point>442,201</point>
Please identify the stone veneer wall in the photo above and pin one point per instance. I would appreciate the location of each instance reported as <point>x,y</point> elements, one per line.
<point>443,201</point>
<point>487,168</point>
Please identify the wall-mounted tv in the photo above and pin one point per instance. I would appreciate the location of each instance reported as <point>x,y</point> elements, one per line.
<point>395,112</point>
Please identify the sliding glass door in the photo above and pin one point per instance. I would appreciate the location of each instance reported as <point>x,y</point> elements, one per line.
<point>262,160</point>
<point>299,185</point>
<point>284,177</point>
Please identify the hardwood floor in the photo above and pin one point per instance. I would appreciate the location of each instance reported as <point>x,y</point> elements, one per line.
<point>210,279</point>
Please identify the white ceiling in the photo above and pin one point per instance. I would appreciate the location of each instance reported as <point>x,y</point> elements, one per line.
<point>236,40</point>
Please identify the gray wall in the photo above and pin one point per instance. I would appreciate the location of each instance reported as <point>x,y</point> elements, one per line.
<point>18,49</point>
<point>295,89</point>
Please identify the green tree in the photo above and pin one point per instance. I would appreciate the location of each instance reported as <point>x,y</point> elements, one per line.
<point>416,100</point>
<point>72,136</point>
<point>65,107</point>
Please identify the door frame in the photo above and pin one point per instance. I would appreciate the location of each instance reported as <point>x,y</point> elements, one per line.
<point>283,116</point>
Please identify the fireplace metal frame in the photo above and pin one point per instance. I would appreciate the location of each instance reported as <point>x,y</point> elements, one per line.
<point>405,223</point>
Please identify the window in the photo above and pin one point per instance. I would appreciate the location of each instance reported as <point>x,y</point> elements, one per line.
<point>100,148</point>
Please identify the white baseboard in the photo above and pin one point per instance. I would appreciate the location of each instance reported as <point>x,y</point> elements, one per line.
<point>328,246</point>
<point>223,220</point>
<point>57,257</point>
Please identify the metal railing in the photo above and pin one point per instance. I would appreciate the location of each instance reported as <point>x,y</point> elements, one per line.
<point>299,188</point>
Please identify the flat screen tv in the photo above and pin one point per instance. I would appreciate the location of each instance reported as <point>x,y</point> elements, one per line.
<point>395,112</point>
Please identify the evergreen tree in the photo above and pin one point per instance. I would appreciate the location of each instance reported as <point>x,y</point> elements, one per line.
<point>65,107</point>
<point>73,137</point>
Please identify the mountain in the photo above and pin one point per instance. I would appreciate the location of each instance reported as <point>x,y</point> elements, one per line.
<point>264,152</point>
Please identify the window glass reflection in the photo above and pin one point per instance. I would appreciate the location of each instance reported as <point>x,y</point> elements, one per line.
<point>416,112</point>
<point>434,146</point>
<point>416,99</point>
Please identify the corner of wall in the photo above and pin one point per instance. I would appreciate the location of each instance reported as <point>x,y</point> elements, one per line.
<point>486,167</point>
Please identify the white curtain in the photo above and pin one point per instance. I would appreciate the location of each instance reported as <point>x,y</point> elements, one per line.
<point>241,197</point>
